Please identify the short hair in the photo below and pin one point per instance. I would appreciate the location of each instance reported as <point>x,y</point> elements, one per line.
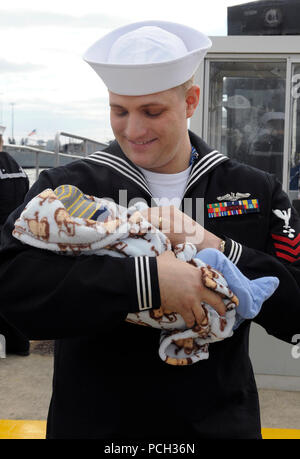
<point>187,84</point>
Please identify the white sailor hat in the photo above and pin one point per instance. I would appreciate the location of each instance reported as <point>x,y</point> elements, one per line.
<point>269,116</point>
<point>147,57</point>
<point>2,129</point>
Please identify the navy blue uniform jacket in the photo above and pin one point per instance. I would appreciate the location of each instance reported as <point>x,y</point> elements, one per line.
<point>109,381</point>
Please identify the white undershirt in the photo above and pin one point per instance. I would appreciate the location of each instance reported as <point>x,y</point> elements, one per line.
<point>167,189</point>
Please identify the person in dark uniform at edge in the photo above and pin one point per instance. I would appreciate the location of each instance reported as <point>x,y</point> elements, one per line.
<point>14,185</point>
<point>109,382</point>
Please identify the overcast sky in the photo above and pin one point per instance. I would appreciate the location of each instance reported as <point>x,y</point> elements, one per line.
<point>41,68</point>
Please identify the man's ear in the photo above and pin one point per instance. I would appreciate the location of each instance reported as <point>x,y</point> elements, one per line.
<point>192,100</point>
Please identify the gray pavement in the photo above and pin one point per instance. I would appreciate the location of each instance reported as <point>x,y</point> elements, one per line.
<point>25,391</point>
<point>25,385</point>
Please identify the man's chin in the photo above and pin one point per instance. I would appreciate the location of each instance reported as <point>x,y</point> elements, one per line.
<point>141,157</point>
<point>139,162</point>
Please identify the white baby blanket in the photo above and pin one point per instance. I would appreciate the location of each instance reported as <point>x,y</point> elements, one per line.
<point>68,222</point>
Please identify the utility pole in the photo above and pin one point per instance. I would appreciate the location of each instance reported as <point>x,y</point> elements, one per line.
<point>12,121</point>
<point>1,108</point>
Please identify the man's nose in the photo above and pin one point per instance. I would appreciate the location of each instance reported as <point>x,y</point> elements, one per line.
<point>135,127</point>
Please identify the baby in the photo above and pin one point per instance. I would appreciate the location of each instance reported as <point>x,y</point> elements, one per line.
<point>68,222</point>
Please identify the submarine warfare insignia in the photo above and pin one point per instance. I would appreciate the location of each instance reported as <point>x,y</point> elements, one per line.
<point>233,196</point>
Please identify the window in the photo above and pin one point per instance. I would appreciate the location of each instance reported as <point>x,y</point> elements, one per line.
<point>294,156</point>
<point>247,112</point>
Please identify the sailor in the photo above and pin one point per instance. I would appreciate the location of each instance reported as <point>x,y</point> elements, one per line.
<point>238,110</point>
<point>14,185</point>
<point>271,137</point>
<point>109,381</point>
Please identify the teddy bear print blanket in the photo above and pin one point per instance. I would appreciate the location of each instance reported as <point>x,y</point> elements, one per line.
<point>68,222</point>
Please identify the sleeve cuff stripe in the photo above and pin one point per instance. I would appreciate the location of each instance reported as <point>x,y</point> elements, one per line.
<point>235,252</point>
<point>143,283</point>
<point>138,283</point>
<point>149,283</point>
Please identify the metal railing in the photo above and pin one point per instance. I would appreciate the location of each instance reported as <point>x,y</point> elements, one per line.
<point>58,146</point>
<point>85,143</point>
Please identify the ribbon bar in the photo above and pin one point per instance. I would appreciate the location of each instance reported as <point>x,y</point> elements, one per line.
<point>231,208</point>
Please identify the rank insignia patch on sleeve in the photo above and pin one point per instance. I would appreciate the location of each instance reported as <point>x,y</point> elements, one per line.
<point>285,215</point>
<point>287,246</point>
<point>232,208</point>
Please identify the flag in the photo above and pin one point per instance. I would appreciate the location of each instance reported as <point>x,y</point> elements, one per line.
<point>31,133</point>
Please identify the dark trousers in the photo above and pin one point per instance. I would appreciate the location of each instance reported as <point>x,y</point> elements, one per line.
<point>15,341</point>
